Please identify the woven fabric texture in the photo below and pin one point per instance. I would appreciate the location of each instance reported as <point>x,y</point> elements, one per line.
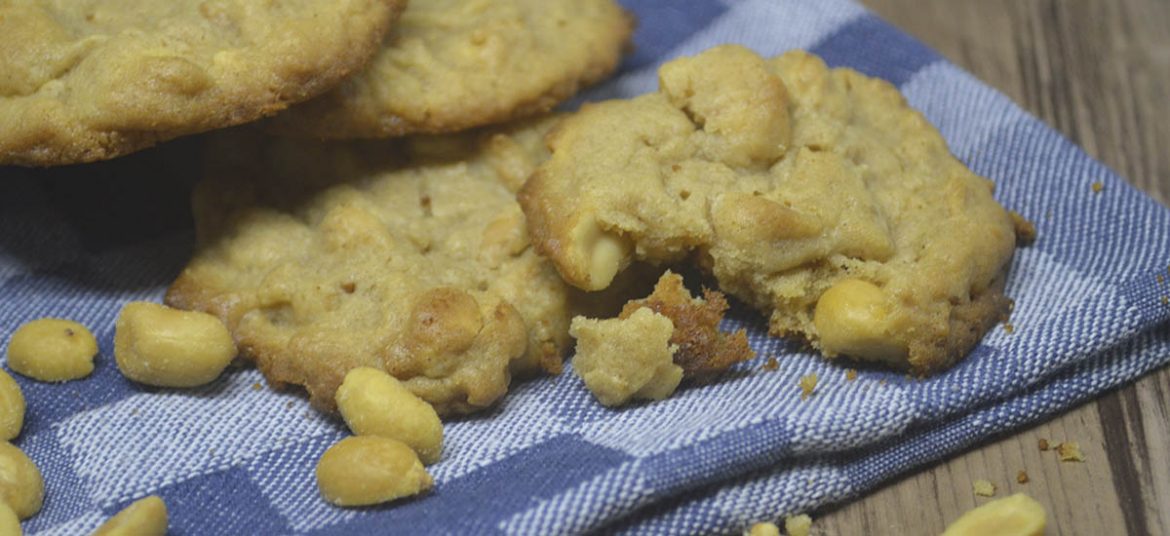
<point>229,458</point>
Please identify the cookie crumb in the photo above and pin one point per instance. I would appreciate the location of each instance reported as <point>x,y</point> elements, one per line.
<point>798,525</point>
<point>808,384</point>
<point>1022,477</point>
<point>703,351</point>
<point>1070,451</point>
<point>1097,187</point>
<point>1009,328</point>
<point>850,375</point>
<point>1161,279</point>
<point>984,488</point>
<point>256,386</point>
<point>771,364</point>
<point>1025,230</point>
<point>1043,444</point>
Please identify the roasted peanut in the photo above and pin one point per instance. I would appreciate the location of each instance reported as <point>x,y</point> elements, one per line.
<point>144,517</point>
<point>852,318</point>
<point>764,529</point>
<point>1015,515</point>
<point>52,350</point>
<point>21,485</point>
<point>598,255</point>
<point>9,523</point>
<point>365,470</point>
<point>375,403</point>
<point>157,345</point>
<point>11,407</point>
<point>798,525</point>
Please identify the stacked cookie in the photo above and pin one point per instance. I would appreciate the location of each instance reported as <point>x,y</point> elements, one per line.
<point>398,201</point>
<point>81,82</point>
<point>406,254</point>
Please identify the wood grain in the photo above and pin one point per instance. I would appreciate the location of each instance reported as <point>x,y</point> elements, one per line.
<point>1099,72</point>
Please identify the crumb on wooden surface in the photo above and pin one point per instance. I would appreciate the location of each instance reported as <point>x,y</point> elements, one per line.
<point>1043,444</point>
<point>983,488</point>
<point>808,384</point>
<point>1022,477</point>
<point>1070,451</point>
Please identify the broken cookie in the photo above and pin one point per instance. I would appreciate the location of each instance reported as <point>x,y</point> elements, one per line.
<point>816,195</point>
<point>703,350</point>
<point>625,359</point>
<point>654,343</point>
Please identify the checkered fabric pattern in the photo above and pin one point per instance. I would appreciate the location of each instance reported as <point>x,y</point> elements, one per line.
<point>232,459</point>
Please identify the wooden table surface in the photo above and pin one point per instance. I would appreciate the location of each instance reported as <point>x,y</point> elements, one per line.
<point>1099,72</point>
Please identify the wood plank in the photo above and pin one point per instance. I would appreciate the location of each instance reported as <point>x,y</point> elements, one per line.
<point>1099,72</point>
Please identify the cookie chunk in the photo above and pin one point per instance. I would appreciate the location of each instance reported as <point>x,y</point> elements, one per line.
<point>86,81</point>
<point>410,257</point>
<point>449,65</point>
<point>816,195</point>
<point>625,359</point>
<point>703,350</point>
<point>655,343</point>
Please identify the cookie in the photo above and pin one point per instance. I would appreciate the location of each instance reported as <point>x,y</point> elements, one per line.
<point>411,257</point>
<point>626,359</point>
<point>816,195</point>
<point>655,343</point>
<point>450,65</point>
<point>87,81</point>
<point>703,351</point>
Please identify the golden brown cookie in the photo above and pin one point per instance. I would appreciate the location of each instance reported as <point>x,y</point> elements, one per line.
<point>411,257</point>
<point>450,65</point>
<point>91,80</point>
<point>816,195</point>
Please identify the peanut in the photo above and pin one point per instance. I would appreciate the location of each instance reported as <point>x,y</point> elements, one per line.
<point>52,350</point>
<point>365,470</point>
<point>157,345</point>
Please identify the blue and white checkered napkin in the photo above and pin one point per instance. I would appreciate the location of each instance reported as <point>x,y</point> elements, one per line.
<point>231,459</point>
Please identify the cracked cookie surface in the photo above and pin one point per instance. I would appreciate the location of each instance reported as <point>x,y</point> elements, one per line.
<point>449,65</point>
<point>91,80</point>
<point>816,195</point>
<point>411,257</point>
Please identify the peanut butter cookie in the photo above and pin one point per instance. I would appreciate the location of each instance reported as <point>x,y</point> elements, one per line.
<point>449,65</point>
<point>816,195</point>
<point>411,257</point>
<point>91,80</point>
